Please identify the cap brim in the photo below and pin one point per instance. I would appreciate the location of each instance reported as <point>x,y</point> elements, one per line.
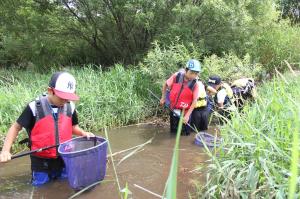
<point>211,84</point>
<point>66,96</point>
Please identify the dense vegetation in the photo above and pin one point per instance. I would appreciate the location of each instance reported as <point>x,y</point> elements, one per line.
<point>260,154</point>
<point>47,33</point>
<point>118,48</point>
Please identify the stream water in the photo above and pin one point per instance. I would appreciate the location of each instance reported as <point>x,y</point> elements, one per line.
<point>148,168</point>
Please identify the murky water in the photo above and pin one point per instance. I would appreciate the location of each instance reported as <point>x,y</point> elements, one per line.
<point>148,168</point>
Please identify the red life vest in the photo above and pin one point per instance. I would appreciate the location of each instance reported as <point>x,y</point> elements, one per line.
<point>181,94</point>
<point>50,129</point>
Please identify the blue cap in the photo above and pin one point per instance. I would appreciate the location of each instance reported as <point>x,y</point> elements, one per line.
<point>193,65</point>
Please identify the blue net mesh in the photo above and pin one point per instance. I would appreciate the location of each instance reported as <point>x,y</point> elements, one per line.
<point>85,160</point>
<point>209,140</point>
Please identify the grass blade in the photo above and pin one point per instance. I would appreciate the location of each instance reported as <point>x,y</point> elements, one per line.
<point>172,179</point>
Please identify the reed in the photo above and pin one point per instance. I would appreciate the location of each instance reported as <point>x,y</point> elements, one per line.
<point>261,159</point>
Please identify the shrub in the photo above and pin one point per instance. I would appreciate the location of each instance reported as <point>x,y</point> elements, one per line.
<point>276,44</point>
<point>230,67</point>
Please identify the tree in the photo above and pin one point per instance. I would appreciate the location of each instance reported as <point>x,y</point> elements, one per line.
<point>118,30</point>
<point>218,26</point>
<point>32,32</point>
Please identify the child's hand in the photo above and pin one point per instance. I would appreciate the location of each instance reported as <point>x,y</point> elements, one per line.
<point>5,156</point>
<point>162,101</point>
<point>186,119</point>
<point>88,134</point>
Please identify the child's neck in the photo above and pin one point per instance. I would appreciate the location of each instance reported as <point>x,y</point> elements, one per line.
<point>50,100</point>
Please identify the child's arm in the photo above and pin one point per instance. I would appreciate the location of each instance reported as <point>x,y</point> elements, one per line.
<point>78,131</point>
<point>211,90</point>
<point>10,138</point>
<point>167,85</point>
<point>189,112</point>
<point>163,95</point>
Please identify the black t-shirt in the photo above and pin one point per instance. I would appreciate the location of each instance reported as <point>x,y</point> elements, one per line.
<point>27,119</point>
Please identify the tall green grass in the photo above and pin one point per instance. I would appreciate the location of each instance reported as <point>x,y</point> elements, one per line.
<point>112,98</point>
<point>261,159</point>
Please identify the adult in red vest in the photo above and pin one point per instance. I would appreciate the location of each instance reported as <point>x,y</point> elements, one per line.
<point>49,120</point>
<point>182,90</point>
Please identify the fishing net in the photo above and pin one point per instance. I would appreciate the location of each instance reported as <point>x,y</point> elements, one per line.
<point>85,160</point>
<point>209,140</point>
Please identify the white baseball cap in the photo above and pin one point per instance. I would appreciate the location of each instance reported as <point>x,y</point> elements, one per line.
<point>63,84</point>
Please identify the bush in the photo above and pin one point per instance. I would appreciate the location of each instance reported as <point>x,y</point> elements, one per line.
<point>160,62</point>
<point>276,44</point>
<point>230,67</point>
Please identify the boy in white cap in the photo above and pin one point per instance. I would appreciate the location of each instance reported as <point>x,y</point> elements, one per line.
<point>49,120</point>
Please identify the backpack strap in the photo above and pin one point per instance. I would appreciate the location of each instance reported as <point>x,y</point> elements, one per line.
<point>179,78</point>
<point>41,107</point>
<point>191,84</point>
<point>39,112</point>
